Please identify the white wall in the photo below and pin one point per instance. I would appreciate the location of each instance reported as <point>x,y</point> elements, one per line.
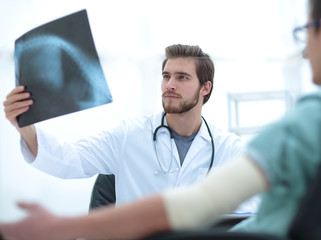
<point>250,42</point>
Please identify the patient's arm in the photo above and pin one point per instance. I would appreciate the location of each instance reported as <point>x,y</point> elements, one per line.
<point>220,193</point>
<point>129,221</point>
<point>193,207</point>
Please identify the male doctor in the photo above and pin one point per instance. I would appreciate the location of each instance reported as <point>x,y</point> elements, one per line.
<point>144,157</point>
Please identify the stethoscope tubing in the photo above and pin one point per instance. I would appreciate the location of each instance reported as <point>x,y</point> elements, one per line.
<point>213,146</point>
<point>171,138</point>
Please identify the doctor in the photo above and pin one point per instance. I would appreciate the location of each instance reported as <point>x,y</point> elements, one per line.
<point>162,151</point>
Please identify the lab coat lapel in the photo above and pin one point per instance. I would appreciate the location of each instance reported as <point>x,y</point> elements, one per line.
<point>197,145</point>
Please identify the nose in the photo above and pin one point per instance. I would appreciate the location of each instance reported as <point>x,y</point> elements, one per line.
<point>170,84</point>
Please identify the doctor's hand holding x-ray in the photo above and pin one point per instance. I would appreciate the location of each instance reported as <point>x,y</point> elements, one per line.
<point>166,150</point>
<point>15,105</point>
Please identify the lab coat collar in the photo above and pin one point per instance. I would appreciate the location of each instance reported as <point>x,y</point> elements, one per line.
<point>157,121</point>
<point>203,132</point>
<point>198,144</point>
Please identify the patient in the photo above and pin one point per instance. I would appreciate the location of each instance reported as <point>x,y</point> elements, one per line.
<point>282,162</point>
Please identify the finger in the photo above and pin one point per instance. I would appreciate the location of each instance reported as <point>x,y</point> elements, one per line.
<point>15,98</point>
<point>13,114</point>
<point>17,105</point>
<point>28,206</point>
<point>16,90</point>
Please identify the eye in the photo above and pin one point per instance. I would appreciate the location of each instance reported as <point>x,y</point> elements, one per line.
<point>166,76</point>
<point>182,77</point>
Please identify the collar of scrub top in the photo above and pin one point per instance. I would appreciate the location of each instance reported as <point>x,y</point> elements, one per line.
<point>162,169</point>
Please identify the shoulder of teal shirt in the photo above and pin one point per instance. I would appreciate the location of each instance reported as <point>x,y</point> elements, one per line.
<point>288,152</point>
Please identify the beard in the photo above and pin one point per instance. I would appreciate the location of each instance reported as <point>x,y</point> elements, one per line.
<point>184,106</point>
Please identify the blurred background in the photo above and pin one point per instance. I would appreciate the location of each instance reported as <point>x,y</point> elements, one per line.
<point>259,75</point>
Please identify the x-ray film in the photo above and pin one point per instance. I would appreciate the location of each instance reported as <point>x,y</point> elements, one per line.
<point>59,65</point>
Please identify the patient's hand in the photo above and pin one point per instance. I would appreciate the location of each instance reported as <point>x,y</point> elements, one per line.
<point>38,225</point>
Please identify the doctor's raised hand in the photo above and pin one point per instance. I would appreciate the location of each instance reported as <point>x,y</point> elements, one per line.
<point>16,103</point>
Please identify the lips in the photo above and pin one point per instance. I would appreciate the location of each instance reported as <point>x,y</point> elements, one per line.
<point>170,95</point>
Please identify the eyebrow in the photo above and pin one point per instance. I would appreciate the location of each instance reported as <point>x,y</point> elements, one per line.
<point>178,73</point>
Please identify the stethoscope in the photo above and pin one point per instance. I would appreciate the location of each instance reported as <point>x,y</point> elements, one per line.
<point>162,169</point>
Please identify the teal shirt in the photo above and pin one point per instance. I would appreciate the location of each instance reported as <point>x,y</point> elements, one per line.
<point>288,152</point>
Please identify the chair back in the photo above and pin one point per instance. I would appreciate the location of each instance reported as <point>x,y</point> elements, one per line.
<point>307,222</point>
<point>103,192</point>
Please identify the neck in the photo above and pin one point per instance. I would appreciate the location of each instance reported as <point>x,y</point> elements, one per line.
<point>185,124</point>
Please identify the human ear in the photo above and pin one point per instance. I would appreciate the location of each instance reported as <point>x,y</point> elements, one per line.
<point>206,88</point>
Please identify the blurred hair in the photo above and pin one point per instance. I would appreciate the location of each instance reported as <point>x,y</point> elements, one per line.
<point>315,11</point>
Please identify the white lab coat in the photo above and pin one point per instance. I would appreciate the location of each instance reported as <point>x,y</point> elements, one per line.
<point>128,152</point>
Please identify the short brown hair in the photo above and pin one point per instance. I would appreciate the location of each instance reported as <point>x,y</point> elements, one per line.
<point>204,64</point>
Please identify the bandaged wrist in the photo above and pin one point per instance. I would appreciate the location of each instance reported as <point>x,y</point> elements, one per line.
<point>202,204</point>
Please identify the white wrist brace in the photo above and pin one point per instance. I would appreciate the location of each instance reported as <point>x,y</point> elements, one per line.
<point>219,193</point>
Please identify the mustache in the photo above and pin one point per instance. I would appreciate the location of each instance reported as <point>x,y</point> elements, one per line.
<point>171,93</point>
